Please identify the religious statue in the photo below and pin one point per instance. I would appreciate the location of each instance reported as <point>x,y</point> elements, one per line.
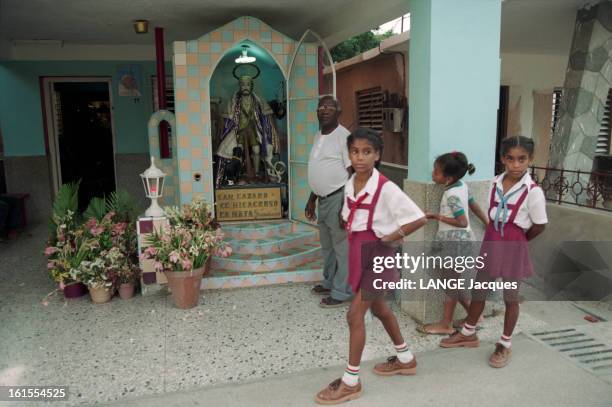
<point>248,129</point>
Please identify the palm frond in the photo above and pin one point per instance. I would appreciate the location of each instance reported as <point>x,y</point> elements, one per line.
<point>95,209</point>
<point>122,203</point>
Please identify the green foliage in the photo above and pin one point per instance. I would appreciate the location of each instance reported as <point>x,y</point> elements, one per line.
<point>123,204</point>
<point>358,44</point>
<point>66,203</point>
<point>96,209</point>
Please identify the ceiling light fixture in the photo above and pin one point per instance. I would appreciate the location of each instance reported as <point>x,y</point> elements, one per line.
<point>141,26</point>
<point>244,58</point>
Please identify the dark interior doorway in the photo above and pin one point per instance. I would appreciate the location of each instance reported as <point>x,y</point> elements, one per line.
<point>502,124</point>
<point>85,138</point>
<point>2,174</point>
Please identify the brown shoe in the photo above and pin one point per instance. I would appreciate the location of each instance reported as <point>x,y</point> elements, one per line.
<point>500,357</point>
<point>320,290</point>
<point>393,366</point>
<point>338,392</point>
<point>329,302</point>
<point>458,340</point>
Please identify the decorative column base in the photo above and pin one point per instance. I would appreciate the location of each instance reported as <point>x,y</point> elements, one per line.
<point>426,306</point>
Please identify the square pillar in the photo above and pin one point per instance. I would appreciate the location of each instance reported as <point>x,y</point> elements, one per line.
<point>454,95</point>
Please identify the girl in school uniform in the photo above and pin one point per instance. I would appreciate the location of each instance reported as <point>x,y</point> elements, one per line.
<point>517,214</point>
<point>454,227</point>
<point>377,212</point>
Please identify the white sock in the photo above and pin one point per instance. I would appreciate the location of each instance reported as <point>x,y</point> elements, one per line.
<point>505,341</point>
<point>403,353</point>
<point>351,375</point>
<point>468,329</point>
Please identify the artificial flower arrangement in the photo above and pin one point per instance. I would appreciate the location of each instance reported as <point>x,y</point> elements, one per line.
<point>189,239</point>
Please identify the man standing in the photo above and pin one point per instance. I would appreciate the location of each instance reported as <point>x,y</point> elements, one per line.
<point>328,171</point>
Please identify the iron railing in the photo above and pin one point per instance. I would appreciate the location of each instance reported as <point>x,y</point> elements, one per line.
<point>574,187</point>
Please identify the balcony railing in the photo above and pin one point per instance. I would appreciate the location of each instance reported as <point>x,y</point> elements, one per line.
<point>574,187</point>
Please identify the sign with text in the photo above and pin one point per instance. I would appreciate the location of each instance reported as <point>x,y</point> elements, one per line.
<point>248,203</point>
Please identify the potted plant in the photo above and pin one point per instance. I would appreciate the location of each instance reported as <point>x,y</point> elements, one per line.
<point>127,276</point>
<point>66,249</point>
<point>97,277</point>
<point>115,247</point>
<point>183,248</point>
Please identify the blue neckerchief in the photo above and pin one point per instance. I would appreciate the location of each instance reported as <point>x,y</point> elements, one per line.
<point>503,206</point>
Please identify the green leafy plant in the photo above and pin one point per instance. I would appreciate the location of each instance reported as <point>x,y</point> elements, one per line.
<point>66,203</point>
<point>123,204</point>
<point>96,209</point>
<point>188,241</point>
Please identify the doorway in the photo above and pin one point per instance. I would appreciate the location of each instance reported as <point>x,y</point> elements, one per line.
<point>80,135</point>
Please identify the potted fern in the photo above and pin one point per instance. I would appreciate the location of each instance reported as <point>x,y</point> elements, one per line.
<point>66,247</point>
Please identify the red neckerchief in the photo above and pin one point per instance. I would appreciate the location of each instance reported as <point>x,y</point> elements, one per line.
<point>353,206</point>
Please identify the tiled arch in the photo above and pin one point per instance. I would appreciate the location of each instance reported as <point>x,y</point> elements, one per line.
<point>193,64</point>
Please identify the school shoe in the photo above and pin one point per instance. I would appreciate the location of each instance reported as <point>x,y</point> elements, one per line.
<point>329,302</point>
<point>500,357</point>
<point>458,340</point>
<point>320,290</point>
<point>393,366</point>
<point>338,392</point>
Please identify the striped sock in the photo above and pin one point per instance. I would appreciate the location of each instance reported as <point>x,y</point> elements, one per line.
<point>351,375</point>
<point>403,353</point>
<point>506,341</point>
<point>468,329</point>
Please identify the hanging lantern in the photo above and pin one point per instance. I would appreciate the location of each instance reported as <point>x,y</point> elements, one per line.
<point>153,182</point>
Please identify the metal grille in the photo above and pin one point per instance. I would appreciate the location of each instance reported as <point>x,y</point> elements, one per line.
<point>579,347</point>
<point>370,108</point>
<point>169,93</point>
<point>603,138</point>
<point>556,103</point>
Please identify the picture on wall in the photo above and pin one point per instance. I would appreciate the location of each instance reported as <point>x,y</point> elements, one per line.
<point>128,77</point>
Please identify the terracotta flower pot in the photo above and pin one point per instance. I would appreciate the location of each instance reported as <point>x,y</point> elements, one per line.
<point>75,290</point>
<point>126,291</point>
<point>100,295</point>
<point>185,287</point>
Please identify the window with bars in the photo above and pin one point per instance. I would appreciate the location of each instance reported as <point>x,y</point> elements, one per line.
<point>370,108</point>
<point>169,94</point>
<point>603,138</point>
<point>556,104</point>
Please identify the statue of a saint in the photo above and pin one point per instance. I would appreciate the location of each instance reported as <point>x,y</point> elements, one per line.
<point>248,124</point>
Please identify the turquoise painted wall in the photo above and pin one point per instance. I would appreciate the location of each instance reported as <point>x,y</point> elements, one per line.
<point>454,83</point>
<point>21,119</point>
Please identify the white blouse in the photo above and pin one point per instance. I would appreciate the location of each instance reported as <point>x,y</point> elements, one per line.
<point>533,209</point>
<point>393,210</point>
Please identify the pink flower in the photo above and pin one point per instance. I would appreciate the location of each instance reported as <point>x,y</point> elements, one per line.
<point>158,266</point>
<point>174,256</point>
<point>152,250</point>
<point>225,251</point>
<point>186,263</point>
<point>97,230</point>
<point>50,265</point>
<point>119,228</point>
<point>50,250</point>
<point>91,223</point>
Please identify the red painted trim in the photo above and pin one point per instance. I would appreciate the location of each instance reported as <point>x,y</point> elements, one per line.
<point>164,144</point>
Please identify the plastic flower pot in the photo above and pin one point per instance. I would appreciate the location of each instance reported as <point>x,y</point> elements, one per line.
<point>75,290</point>
<point>100,295</point>
<point>185,287</point>
<point>126,291</point>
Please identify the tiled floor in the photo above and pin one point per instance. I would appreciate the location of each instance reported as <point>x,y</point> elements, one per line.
<point>145,346</point>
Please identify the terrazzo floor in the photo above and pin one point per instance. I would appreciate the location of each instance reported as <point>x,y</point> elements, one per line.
<point>144,346</point>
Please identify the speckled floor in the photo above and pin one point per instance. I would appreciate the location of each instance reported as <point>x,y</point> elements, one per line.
<point>145,346</point>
